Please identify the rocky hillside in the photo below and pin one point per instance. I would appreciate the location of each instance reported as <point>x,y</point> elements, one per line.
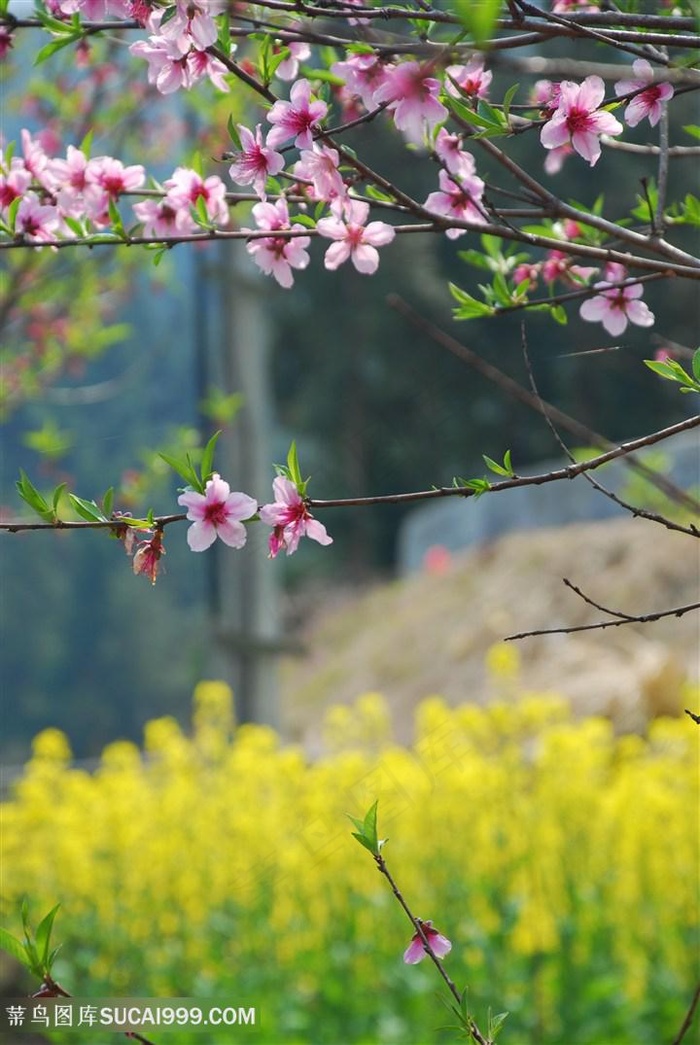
<point>430,633</point>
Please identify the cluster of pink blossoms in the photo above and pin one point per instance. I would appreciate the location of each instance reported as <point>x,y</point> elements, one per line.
<point>51,190</point>
<point>318,170</point>
<point>220,513</point>
<point>56,192</point>
<point>614,306</point>
<point>176,50</point>
<point>576,122</point>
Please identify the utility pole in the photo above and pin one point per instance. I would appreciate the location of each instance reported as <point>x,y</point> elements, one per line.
<point>244,589</point>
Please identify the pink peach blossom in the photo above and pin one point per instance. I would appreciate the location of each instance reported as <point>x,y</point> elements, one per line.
<point>255,163</point>
<point>288,69</point>
<point>320,166</point>
<point>147,555</point>
<point>416,950</point>
<point>458,198</point>
<point>164,217</point>
<point>413,97</point>
<point>363,74</point>
<point>290,519</point>
<point>277,255</point>
<point>448,149</point>
<point>297,118</point>
<point>470,79</point>
<point>37,222</point>
<point>615,306</point>
<point>579,121</point>
<point>217,513</point>
<point>185,187</point>
<point>650,102</point>
<point>354,239</point>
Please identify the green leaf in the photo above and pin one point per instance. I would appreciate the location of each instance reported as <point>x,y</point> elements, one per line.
<point>233,133</point>
<point>469,307</point>
<point>374,193</point>
<point>108,502</point>
<point>508,99</point>
<point>363,841</point>
<point>366,833</point>
<point>55,45</point>
<point>558,314</point>
<point>478,16</point>
<point>475,258</point>
<point>293,466</point>
<point>467,114</point>
<point>57,494</point>
<point>43,935</point>
<point>696,364</point>
<point>479,486</point>
<point>692,129</point>
<point>306,220</point>
<point>208,458</point>
<point>505,469</point>
<point>86,144</point>
<point>185,469</point>
<point>116,219</point>
<point>14,947</point>
<point>496,1023</point>
<point>87,510</point>
<point>31,496</point>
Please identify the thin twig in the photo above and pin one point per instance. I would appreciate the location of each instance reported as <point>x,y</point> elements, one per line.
<point>516,390</point>
<point>685,1026</point>
<point>596,605</point>
<point>381,865</point>
<point>622,618</point>
<point>633,509</point>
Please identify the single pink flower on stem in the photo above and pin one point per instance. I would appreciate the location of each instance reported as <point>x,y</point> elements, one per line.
<point>6,42</point>
<point>363,74</point>
<point>651,101</point>
<point>579,121</point>
<point>290,519</point>
<point>168,70</point>
<point>527,271</point>
<point>559,265</point>
<point>470,79</point>
<point>288,69</point>
<point>320,166</point>
<point>297,118</point>
<point>554,160</point>
<point>416,950</point>
<point>148,555</point>
<point>277,255</point>
<point>164,218</point>
<point>459,199</point>
<point>448,149</point>
<point>354,240</point>
<point>192,25</point>
<point>614,306</point>
<point>413,97</point>
<point>185,187</point>
<point>256,162</point>
<point>217,513</point>
<point>545,95</point>
<point>37,222</point>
